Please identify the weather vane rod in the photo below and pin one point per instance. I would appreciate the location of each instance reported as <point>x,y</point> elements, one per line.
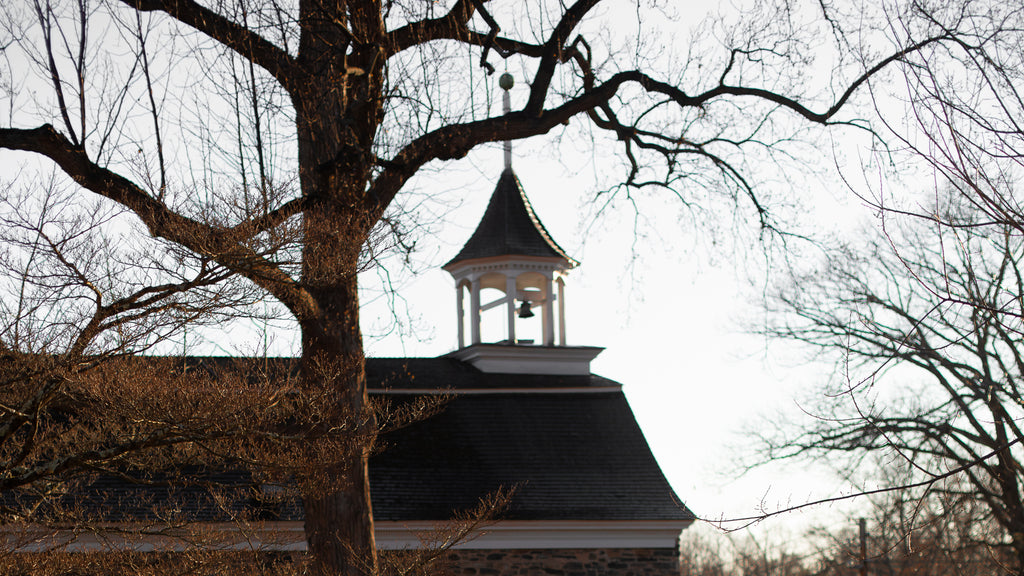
<point>506,82</point>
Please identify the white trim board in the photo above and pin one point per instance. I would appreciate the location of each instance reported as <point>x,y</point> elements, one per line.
<point>290,536</point>
<point>512,535</point>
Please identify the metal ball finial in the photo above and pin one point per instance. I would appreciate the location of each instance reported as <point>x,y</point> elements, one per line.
<point>506,81</point>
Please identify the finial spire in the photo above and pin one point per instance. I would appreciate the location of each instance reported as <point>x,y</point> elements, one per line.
<point>506,81</point>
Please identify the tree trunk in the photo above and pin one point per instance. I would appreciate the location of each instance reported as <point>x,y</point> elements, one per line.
<point>339,520</point>
<point>338,108</point>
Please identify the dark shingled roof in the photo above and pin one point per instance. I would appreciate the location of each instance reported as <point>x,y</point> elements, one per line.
<point>570,444</point>
<point>509,227</point>
<point>571,456</point>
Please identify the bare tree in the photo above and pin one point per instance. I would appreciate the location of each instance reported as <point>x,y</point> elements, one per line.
<point>903,533</point>
<point>707,551</point>
<point>910,532</point>
<point>958,110</point>
<point>257,146</point>
<point>906,532</point>
<point>928,344</point>
<point>924,321</point>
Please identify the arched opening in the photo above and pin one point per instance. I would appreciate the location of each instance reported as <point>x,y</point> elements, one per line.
<point>493,311</point>
<point>531,295</point>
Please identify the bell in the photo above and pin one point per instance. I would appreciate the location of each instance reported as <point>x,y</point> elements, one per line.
<point>524,310</point>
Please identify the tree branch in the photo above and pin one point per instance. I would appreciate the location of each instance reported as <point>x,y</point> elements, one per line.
<point>451,26</point>
<point>245,42</point>
<point>222,245</point>
<point>553,50</point>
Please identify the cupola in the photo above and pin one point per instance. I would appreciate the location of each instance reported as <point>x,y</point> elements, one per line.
<point>513,275</point>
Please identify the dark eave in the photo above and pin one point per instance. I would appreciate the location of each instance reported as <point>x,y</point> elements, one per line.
<point>510,227</point>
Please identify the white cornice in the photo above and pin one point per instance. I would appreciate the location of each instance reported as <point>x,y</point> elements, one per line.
<point>497,263</point>
<point>520,359</point>
<point>290,536</point>
<point>520,535</point>
<point>485,391</point>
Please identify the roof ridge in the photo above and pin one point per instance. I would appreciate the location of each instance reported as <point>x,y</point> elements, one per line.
<point>537,223</point>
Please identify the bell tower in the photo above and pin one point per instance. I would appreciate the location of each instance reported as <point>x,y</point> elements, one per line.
<point>510,252</point>
<point>512,262</point>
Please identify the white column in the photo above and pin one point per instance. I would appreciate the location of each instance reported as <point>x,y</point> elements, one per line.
<point>510,294</point>
<point>561,312</point>
<point>461,311</point>
<point>548,316</point>
<point>474,312</point>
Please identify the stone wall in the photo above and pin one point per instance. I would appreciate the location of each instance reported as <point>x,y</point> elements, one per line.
<point>575,562</point>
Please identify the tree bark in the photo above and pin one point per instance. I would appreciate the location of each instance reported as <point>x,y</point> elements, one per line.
<point>338,108</point>
<point>338,514</point>
<point>339,523</point>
